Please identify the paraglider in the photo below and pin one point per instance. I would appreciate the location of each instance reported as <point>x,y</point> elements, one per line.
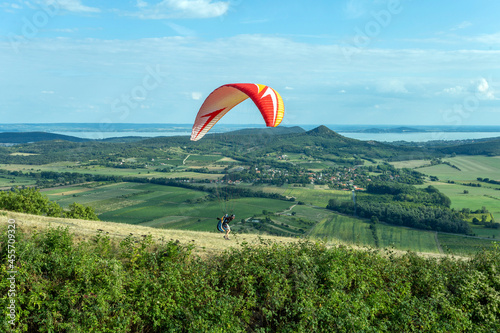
<point>221,101</point>
<point>226,97</point>
<point>223,225</point>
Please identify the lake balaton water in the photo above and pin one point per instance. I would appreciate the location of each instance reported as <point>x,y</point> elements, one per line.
<point>382,137</point>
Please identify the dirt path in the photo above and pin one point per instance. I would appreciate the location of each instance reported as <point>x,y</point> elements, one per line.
<point>286,210</point>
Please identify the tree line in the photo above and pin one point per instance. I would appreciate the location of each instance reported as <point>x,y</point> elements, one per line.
<point>419,217</point>
<point>405,205</point>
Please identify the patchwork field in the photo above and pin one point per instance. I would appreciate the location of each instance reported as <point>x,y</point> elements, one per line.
<point>314,195</point>
<point>161,206</point>
<point>180,172</point>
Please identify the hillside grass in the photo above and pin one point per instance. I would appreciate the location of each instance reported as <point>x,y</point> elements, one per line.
<point>204,242</point>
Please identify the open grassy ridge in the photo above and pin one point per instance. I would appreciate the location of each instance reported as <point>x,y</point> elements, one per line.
<point>204,242</point>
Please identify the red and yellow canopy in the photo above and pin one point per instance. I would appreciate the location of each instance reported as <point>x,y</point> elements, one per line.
<point>226,97</point>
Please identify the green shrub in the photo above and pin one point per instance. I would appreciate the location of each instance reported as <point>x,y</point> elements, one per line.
<point>138,285</point>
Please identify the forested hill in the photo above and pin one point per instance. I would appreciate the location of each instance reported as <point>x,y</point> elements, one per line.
<point>26,137</point>
<point>268,131</point>
<point>247,145</point>
<point>488,147</point>
<point>319,142</point>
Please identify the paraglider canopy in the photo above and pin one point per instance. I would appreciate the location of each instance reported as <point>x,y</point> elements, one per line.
<point>226,97</point>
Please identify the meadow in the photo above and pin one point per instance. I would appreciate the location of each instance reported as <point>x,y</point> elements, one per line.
<point>471,167</point>
<point>169,207</point>
<point>161,206</point>
<point>316,195</point>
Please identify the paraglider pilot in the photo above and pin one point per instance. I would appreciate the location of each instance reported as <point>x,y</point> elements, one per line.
<point>223,225</point>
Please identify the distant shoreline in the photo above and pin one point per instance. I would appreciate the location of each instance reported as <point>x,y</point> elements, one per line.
<point>381,133</point>
<point>220,127</point>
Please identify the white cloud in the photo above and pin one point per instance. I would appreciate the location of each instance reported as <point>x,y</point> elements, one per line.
<point>483,90</point>
<point>72,6</point>
<point>493,38</point>
<point>479,88</point>
<point>101,71</point>
<point>181,30</point>
<point>391,86</point>
<point>181,9</point>
<point>196,95</point>
<point>457,90</point>
<point>141,4</point>
<point>355,8</point>
<point>462,25</point>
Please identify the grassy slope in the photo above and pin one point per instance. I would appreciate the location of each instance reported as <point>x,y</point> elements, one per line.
<point>205,242</point>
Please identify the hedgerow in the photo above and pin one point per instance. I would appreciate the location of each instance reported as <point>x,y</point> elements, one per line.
<point>138,285</point>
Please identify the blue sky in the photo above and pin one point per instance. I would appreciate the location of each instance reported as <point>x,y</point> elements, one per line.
<point>334,62</point>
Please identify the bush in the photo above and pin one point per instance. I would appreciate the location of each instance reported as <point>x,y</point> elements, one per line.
<point>31,201</point>
<point>140,286</point>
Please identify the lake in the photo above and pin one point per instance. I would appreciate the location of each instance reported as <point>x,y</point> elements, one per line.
<point>382,137</point>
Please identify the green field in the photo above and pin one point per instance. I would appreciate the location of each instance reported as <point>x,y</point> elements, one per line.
<point>314,195</point>
<point>160,206</point>
<point>471,167</point>
<point>463,245</point>
<point>344,228</point>
<point>332,226</point>
<point>7,181</point>
<point>180,172</point>
<point>410,164</point>
<point>408,239</point>
<point>475,199</point>
<point>179,208</point>
<point>463,196</point>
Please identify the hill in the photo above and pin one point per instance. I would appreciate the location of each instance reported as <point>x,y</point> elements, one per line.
<point>489,147</point>
<point>268,131</point>
<point>27,137</point>
<point>204,242</point>
<point>391,130</point>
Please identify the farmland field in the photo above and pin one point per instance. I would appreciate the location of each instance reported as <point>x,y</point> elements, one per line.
<point>406,239</point>
<point>314,195</point>
<point>107,171</point>
<point>346,229</point>
<point>476,197</point>
<point>462,245</point>
<point>471,167</point>
<point>7,181</point>
<point>160,206</point>
<point>410,164</point>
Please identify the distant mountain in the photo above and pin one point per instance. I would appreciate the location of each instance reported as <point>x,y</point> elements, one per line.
<point>320,141</point>
<point>280,130</point>
<point>323,131</point>
<point>27,137</point>
<point>391,130</point>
